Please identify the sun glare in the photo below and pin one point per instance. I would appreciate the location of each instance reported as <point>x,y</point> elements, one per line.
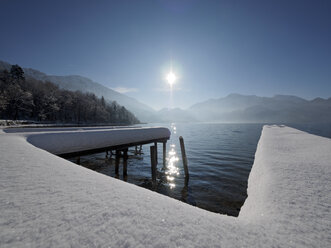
<point>171,78</point>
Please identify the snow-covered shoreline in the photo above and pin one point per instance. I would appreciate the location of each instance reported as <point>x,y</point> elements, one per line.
<point>47,201</point>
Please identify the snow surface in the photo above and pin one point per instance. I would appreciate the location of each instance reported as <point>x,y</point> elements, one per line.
<point>67,140</point>
<point>46,201</point>
<point>44,128</point>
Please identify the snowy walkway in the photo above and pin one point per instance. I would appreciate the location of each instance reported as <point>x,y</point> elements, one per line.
<point>46,201</point>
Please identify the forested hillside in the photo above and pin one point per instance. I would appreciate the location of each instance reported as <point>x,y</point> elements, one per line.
<point>31,99</point>
<point>84,84</point>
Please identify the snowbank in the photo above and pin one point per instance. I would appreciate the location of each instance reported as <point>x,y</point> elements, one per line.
<point>47,201</point>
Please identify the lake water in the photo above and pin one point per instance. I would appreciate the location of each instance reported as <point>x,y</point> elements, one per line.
<point>220,157</point>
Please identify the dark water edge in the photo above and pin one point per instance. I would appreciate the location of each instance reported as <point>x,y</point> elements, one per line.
<point>320,129</point>
<point>220,158</point>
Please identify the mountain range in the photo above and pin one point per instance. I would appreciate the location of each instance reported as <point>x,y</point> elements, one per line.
<point>277,109</point>
<point>232,108</point>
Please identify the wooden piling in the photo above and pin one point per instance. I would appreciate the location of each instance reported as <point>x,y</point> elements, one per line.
<point>184,158</point>
<point>117,161</point>
<point>125,162</point>
<point>153,163</point>
<point>156,158</point>
<point>164,154</point>
<point>78,160</point>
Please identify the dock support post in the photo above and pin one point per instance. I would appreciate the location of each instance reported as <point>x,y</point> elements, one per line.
<point>117,161</point>
<point>164,153</point>
<point>156,158</point>
<point>78,160</point>
<point>153,163</point>
<point>184,158</point>
<point>109,154</point>
<point>136,150</point>
<point>125,162</point>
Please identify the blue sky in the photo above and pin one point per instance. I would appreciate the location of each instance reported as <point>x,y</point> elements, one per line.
<point>215,47</point>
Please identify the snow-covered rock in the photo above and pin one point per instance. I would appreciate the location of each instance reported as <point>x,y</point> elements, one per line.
<point>46,201</point>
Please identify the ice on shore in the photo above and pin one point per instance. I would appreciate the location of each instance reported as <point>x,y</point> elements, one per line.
<point>46,201</point>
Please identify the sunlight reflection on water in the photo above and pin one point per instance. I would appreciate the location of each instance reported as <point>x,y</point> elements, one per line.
<point>172,168</point>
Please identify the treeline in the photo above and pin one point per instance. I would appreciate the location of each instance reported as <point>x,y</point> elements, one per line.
<point>31,99</point>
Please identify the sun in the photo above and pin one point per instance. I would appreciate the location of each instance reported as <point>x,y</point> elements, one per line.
<point>171,78</point>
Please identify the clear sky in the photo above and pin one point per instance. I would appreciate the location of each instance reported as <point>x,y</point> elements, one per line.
<point>215,47</point>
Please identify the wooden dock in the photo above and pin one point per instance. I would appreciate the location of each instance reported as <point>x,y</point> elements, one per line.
<point>76,143</point>
<point>121,151</point>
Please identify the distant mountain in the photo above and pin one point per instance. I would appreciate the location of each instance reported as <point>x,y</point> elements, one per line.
<point>279,109</point>
<point>212,108</point>
<point>83,84</point>
<point>175,115</point>
<point>232,108</point>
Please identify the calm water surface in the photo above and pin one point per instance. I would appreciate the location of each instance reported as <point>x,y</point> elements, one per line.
<point>220,157</point>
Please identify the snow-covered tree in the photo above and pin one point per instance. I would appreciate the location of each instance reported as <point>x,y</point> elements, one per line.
<point>43,101</point>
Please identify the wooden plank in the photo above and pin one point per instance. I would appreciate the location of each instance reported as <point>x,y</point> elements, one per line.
<point>103,149</point>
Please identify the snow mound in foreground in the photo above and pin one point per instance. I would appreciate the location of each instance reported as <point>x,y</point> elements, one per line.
<point>47,201</point>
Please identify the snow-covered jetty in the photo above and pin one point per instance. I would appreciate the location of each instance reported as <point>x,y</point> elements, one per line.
<point>46,201</point>
<point>73,141</point>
